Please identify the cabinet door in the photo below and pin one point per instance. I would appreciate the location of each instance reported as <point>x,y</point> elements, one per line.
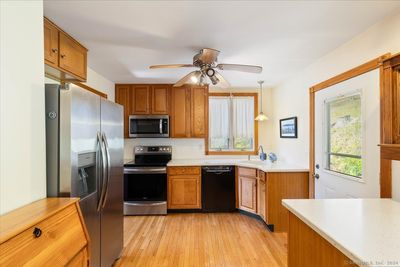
<point>160,99</point>
<point>140,99</point>
<point>184,192</point>
<point>248,194</point>
<point>72,56</point>
<point>122,97</point>
<point>261,195</point>
<point>180,112</point>
<point>199,111</point>
<point>50,44</point>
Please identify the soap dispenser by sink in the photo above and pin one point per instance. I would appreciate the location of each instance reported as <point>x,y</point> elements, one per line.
<point>263,156</point>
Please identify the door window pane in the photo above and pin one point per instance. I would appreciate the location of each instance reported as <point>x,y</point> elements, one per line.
<point>344,135</point>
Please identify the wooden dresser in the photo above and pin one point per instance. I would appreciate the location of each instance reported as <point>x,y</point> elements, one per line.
<point>48,232</point>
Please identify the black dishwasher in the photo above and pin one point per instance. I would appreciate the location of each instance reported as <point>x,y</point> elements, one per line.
<point>218,188</point>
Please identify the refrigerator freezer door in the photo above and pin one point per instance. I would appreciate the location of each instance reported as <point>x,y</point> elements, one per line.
<point>112,212</point>
<point>84,123</point>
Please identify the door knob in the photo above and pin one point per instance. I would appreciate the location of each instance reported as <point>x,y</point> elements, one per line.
<point>317,166</point>
<point>316,176</point>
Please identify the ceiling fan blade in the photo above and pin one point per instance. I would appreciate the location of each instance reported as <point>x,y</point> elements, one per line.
<point>239,67</point>
<point>168,66</point>
<point>223,83</point>
<point>186,79</point>
<point>206,56</point>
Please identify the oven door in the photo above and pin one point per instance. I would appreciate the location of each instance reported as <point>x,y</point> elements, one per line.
<point>148,126</point>
<point>145,184</point>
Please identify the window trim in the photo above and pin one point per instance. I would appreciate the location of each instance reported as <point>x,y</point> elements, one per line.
<point>238,152</point>
<point>326,149</point>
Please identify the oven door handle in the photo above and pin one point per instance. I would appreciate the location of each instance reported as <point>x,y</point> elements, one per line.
<point>145,170</point>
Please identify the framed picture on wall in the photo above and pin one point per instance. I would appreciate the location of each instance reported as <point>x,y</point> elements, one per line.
<point>288,127</point>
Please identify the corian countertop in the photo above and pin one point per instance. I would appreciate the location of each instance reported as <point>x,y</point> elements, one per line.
<point>365,230</point>
<point>265,166</point>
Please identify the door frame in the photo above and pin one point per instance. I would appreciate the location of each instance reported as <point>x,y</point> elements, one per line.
<point>386,169</point>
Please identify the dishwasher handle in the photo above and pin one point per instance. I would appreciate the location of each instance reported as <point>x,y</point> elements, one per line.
<point>218,170</point>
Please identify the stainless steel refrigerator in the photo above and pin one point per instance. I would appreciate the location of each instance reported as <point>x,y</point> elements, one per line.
<point>84,146</point>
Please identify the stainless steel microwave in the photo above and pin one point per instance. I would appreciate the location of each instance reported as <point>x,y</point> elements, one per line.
<point>149,126</point>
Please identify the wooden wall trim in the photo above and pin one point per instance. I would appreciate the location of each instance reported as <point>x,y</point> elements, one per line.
<point>84,86</point>
<point>366,67</point>
<point>386,169</point>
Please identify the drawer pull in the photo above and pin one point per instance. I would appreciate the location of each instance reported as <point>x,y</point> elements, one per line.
<point>37,232</point>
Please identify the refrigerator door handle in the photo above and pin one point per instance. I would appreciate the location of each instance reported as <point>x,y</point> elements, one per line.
<point>107,149</point>
<point>103,172</point>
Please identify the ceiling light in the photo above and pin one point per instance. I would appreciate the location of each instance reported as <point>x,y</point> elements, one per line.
<point>196,77</point>
<point>214,80</point>
<point>210,72</point>
<point>261,116</point>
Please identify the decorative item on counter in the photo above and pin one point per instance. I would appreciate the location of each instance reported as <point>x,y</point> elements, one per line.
<point>272,157</point>
<point>263,156</point>
<point>288,127</point>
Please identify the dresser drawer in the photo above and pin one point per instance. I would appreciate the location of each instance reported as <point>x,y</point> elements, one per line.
<point>61,237</point>
<point>183,170</point>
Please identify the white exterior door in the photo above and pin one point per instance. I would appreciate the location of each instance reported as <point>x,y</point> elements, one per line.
<point>347,132</point>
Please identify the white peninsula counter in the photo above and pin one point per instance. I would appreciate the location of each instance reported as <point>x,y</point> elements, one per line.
<point>347,232</point>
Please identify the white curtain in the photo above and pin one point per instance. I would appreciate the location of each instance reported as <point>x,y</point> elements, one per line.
<point>219,108</point>
<point>243,117</point>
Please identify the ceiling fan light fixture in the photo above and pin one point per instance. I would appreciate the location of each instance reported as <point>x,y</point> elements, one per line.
<point>196,77</point>
<point>210,72</point>
<point>214,80</point>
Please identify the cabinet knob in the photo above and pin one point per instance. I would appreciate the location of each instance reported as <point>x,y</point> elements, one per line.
<point>63,55</point>
<point>54,50</point>
<point>37,232</point>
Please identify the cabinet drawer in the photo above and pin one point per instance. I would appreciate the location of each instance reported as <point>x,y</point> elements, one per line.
<point>249,172</point>
<point>62,237</point>
<point>183,170</point>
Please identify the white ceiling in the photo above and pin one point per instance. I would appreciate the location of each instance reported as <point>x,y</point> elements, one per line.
<point>125,37</point>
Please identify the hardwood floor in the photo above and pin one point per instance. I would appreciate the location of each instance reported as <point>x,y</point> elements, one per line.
<point>201,239</point>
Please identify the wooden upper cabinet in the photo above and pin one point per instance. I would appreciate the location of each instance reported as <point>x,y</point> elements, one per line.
<point>160,99</point>
<point>140,99</point>
<point>72,56</point>
<point>65,58</point>
<point>180,112</point>
<point>199,116</point>
<point>50,44</point>
<point>122,92</point>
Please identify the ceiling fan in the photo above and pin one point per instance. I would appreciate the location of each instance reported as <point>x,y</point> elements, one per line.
<point>206,61</point>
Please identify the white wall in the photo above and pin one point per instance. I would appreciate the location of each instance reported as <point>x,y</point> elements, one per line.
<point>291,97</point>
<point>98,82</point>
<point>22,121</point>
<point>195,148</point>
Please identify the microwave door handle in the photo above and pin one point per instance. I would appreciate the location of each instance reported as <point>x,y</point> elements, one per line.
<point>161,131</point>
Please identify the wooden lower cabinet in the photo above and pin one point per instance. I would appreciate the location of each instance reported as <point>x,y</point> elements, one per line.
<point>283,185</point>
<point>184,188</point>
<point>48,232</point>
<point>306,248</point>
<point>262,193</point>
<point>247,187</point>
<point>261,203</point>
